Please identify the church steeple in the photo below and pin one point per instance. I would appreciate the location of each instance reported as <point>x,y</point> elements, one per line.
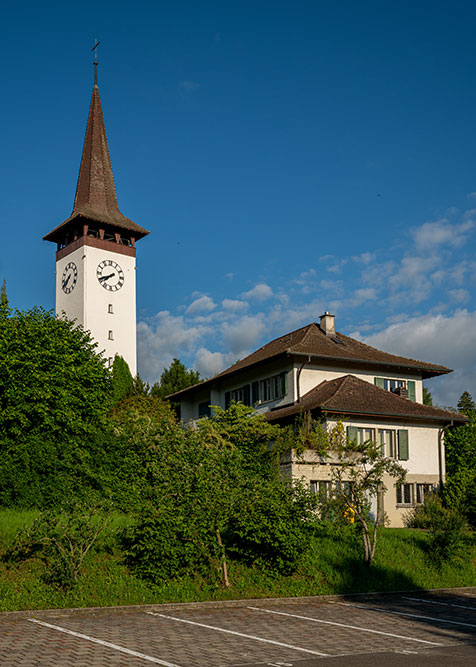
<point>95,199</point>
<point>96,251</point>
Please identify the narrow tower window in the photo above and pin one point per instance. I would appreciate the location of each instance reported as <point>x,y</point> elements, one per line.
<point>110,336</point>
<point>109,308</point>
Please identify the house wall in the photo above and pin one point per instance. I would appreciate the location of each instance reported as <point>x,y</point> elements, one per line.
<point>312,375</point>
<point>215,395</point>
<point>422,466</point>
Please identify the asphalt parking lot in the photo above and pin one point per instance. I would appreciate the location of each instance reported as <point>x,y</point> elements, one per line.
<point>417,628</point>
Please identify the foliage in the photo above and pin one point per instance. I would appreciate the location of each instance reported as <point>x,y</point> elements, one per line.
<point>331,565</point>
<point>174,378</point>
<point>54,397</point>
<point>5,310</point>
<point>216,491</point>
<point>122,380</point>
<point>460,447</point>
<point>427,397</point>
<point>51,379</point>
<point>62,540</point>
<point>304,433</point>
<point>139,387</point>
<point>358,476</point>
<point>466,405</point>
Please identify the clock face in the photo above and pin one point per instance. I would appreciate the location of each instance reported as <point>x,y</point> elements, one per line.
<point>110,275</point>
<point>70,276</point>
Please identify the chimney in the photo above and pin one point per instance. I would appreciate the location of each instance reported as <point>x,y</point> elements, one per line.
<point>327,324</point>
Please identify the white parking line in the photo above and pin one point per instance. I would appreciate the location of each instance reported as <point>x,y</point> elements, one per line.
<point>344,625</point>
<point>447,604</point>
<point>405,613</point>
<point>240,634</point>
<point>122,649</point>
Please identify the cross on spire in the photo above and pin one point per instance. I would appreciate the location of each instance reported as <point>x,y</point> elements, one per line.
<point>95,49</point>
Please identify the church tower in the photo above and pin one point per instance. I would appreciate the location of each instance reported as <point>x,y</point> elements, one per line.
<point>96,251</point>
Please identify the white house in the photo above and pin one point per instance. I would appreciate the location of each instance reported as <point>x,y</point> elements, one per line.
<point>378,396</point>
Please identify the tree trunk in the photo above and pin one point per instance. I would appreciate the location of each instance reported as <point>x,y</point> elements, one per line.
<point>223,561</point>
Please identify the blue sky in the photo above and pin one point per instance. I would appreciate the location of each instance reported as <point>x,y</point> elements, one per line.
<point>288,158</point>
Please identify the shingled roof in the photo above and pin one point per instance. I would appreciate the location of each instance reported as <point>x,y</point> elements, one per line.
<point>349,395</point>
<point>95,192</point>
<point>313,342</point>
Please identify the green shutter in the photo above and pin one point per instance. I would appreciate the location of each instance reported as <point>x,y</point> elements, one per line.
<point>411,390</point>
<point>379,382</point>
<point>285,383</point>
<point>403,445</point>
<point>352,433</point>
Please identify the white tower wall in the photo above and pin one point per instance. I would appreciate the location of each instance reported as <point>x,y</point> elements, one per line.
<point>110,316</point>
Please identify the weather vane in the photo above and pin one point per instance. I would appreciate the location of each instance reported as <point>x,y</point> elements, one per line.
<point>95,49</point>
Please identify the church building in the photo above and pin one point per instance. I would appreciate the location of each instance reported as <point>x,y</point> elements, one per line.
<point>96,251</point>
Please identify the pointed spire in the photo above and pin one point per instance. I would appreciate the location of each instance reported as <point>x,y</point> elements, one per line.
<point>95,197</point>
<point>95,193</point>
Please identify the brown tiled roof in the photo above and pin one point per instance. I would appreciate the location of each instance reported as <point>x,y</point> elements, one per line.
<point>312,341</point>
<point>95,192</point>
<point>349,395</point>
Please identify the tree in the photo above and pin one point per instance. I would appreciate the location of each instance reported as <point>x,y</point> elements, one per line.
<point>122,380</point>
<point>54,398</point>
<point>210,493</point>
<point>358,473</point>
<point>175,378</point>
<point>427,397</point>
<point>466,405</point>
<point>5,310</point>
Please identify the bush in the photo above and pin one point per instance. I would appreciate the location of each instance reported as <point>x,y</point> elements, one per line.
<point>62,540</point>
<point>448,530</point>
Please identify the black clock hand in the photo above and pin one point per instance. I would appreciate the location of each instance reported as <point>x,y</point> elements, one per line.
<point>65,282</point>
<point>106,277</point>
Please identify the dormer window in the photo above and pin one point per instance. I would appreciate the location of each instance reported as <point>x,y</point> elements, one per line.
<point>404,388</point>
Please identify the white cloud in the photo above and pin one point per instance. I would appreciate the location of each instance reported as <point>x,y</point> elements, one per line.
<point>234,305</point>
<point>162,338</point>
<point>259,292</point>
<point>243,334</point>
<point>448,340</point>
<point>362,295</point>
<point>365,258</point>
<point>441,232</point>
<point>209,363</point>
<point>204,304</point>
<point>459,295</point>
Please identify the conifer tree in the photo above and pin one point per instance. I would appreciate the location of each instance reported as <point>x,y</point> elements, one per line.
<point>5,310</point>
<point>122,380</point>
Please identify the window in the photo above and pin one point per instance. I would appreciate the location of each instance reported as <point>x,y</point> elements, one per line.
<point>360,435</point>
<point>322,488</point>
<point>270,389</point>
<point>413,494</point>
<point>109,308</point>
<point>327,489</point>
<point>241,395</point>
<point>110,362</point>
<point>261,391</point>
<point>403,387</point>
<point>394,443</point>
<point>110,336</point>
<point>422,490</point>
<point>405,494</point>
<point>386,440</point>
<point>204,409</point>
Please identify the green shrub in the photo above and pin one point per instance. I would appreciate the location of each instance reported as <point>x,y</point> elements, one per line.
<point>61,540</point>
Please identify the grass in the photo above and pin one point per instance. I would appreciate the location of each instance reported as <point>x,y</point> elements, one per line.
<point>332,565</point>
